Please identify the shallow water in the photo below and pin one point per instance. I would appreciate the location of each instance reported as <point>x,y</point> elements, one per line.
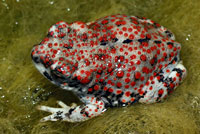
<point>23,23</point>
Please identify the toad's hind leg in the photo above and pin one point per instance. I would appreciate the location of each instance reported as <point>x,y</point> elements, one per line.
<point>163,83</point>
<point>74,113</point>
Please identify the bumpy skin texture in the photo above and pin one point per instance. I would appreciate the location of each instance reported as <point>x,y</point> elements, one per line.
<point>115,61</point>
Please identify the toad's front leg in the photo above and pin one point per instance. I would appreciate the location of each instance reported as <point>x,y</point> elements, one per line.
<point>93,107</point>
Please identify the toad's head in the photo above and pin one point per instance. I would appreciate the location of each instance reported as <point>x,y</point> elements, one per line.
<point>56,56</point>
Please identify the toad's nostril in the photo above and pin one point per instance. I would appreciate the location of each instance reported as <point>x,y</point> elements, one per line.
<point>36,59</point>
<point>35,56</point>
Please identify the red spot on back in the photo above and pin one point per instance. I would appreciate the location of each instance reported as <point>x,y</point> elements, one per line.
<point>127,93</point>
<point>120,74</point>
<point>137,75</point>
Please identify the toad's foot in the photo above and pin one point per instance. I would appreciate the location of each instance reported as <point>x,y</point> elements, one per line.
<point>74,113</point>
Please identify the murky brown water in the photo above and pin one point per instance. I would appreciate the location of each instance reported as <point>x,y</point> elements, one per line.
<point>24,23</point>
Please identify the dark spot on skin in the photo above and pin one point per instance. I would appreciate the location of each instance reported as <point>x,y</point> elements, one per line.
<point>84,37</point>
<point>119,25</point>
<point>156,25</point>
<point>86,113</point>
<point>35,59</point>
<point>107,93</point>
<point>101,56</point>
<point>158,99</point>
<point>127,41</point>
<point>108,105</point>
<point>168,33</point>
<point>58,77</point>
<point>148,38</point>
<point>144,40</point>
<point>122,104</point>
<point>90,92</point>
<point>68,46</point>
<point>119,96</point>
<point>179,71</point>
<point>58,115</point>
<point>157,41</point>
<point>112,48</point>
<point>165,58</point>
<point>103,43</point>
<point>72,85</point>
<point>161,71</point>
<point>161,78</point>
<point>114,40</point>
<point>69,29</point>
<point>82,111</point>
<point>108,102</point>
<point>80,89</point>
<point>175,59</point>
<point>74,82</point>
<point>47,62</point>
<point>120,58</point>
<point>59,112</point>
<point>98,98</point>
<point>170,43</point>
<point>49,34</point>
<point>71,110</point>
<point>153,61</point>
<point>47,75</point>
<point>136,97</point>
<point>169,88</point>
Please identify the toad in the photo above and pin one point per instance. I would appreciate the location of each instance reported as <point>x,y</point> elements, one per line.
<point>114,61</point>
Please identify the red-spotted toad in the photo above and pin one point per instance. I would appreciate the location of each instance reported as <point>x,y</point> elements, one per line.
<point>114,61</point>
